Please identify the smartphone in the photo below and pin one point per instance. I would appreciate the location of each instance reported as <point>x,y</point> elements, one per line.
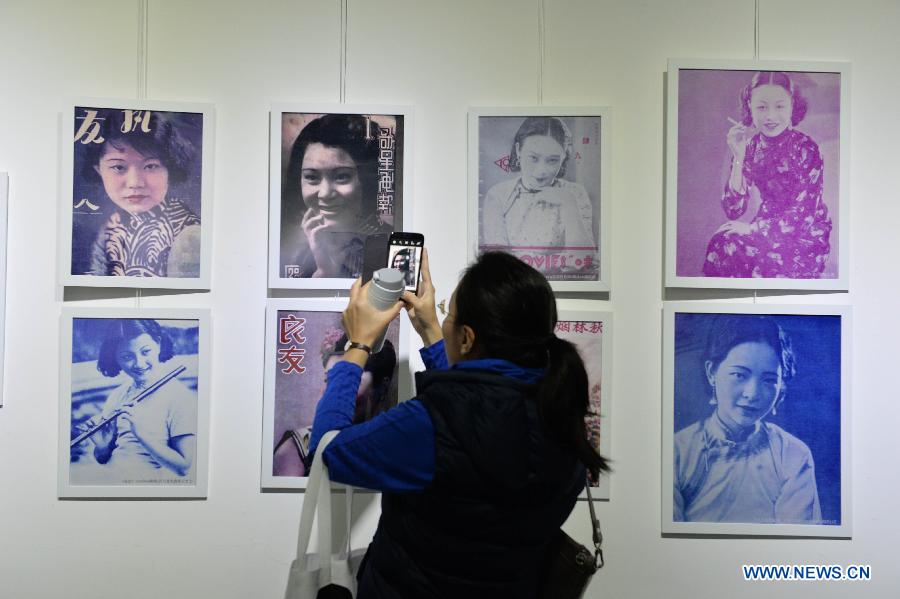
<point>375,255</point>
<point>405,254</point>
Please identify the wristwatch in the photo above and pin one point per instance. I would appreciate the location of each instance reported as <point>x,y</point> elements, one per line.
<point>354,345</point>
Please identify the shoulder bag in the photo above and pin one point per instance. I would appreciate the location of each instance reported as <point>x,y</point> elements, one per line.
<point>569,566</point>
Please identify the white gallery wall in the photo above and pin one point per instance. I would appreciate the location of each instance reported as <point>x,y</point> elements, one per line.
<point>439,57</point>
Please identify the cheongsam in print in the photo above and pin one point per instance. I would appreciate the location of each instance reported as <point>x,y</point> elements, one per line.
<point>138,245</point>
<point>792,225</point>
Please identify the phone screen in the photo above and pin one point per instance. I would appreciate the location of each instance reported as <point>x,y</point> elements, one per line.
<point>405,254</point>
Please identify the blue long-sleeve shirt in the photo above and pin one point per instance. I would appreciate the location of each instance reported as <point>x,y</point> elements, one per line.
<point>393,451</point>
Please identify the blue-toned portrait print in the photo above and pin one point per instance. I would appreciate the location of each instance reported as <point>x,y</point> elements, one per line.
<point>136,195</point>
<point>757,405</point>
<point>134,407</point>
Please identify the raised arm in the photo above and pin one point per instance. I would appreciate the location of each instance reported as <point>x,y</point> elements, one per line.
<point>420,307</point>
<point>392,452</point>
<point>737,190</point>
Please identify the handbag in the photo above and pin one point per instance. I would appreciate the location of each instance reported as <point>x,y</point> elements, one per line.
<point>323,574</point>
<point>569,565</point>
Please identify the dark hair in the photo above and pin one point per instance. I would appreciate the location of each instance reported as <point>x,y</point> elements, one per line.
<point>550,126</point>
<point>512,310</point>
<point>164,141</point>
<point>355,134</point>
<point>405,254</point>
<point>798,102</point>
<point>126,329</point>
<point>730,330</point>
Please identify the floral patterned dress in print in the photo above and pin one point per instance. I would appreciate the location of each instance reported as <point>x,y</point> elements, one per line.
<point>792,226</point>
<point>139,245</point>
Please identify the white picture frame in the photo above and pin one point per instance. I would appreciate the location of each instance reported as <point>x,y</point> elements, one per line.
<point>394,127</point>
<point>289,404</point>
<point>4,240</point>
<point>774,241</point>
<point>85,203</point>
<point>586,134</point>
<point>812,432</point>
<point>593,349</point>
<point>188,331</point>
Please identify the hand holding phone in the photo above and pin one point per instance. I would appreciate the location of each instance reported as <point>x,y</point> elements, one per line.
<point>405,254</point>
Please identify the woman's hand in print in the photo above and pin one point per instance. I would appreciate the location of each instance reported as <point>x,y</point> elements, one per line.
<point>555,196</point>
<point>326,242</point>
<point>736,227</point>
<point>106,434</point>
<point>737,139</point>
<point>127,417</point>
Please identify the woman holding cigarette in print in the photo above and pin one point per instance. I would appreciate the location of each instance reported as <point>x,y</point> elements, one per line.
<point>780,169</point>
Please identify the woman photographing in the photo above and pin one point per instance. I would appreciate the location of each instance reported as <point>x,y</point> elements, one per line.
<point>482,467</point>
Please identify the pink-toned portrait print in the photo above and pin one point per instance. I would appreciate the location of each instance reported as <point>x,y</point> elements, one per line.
<point>588,338</point>
<point>309,343</point>
<point>758,174</point>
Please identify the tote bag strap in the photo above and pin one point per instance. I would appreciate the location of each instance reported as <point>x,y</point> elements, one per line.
<point>312,500</point>
<point>348,499</point>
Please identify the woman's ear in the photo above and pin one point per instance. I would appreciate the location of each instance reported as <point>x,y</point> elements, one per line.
<point>710,373</point>
<point>779,398</point>
<point>467,343</point>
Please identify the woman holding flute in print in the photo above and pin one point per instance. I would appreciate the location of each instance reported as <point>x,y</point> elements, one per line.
<point>148,425</point>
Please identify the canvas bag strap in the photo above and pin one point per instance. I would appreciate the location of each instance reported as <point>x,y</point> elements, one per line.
<point>597,533</point>
<point>348,498</point>
<point>311,499</point>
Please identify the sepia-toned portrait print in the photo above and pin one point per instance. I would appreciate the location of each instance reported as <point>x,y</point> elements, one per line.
<point>336,179</point>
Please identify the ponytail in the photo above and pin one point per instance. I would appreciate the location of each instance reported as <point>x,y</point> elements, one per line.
<point>512,310</point>
<point>563,400</point>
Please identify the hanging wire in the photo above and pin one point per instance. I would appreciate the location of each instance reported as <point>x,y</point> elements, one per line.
<point>345,43</point>
<point>142,45</point>
<point>143,66</point>
<point>756,31</point>
<point>541,56</point>
<point>755,57</point>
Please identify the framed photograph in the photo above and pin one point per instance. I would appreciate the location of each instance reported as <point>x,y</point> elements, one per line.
<point>757,163</point>
<point>134,403</point>
<point>304,338</point>
<point>338,174</point>
<point>136,197</point>
<point>4,203</point>
<point>539,184</point>
<point>756,420</point>
<point>591,332</point>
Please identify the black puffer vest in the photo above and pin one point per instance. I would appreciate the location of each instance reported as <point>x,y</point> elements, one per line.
<point>500,490</point>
